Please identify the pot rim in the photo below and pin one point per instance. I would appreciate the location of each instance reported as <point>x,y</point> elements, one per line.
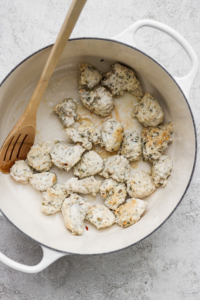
<point>194,127</point>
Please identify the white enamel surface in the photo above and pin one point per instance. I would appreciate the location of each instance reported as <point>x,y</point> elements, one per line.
<point>21,204</point>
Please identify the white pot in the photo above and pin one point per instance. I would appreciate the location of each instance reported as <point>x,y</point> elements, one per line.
<point>20,204</point>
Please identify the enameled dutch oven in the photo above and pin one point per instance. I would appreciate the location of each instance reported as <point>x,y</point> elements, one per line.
<point>20,204</point>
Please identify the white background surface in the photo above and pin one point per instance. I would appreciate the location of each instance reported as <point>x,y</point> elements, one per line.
<point>164,266</point>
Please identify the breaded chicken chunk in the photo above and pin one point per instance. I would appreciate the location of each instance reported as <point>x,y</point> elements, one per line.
<point>161,170</point>
<point>43,181</point>
<point>131,146</point>
<point>85,134</point>
<point>130,213</point>
<point>65,155</point>
<point>88,185</point>
<point>116,167</point>
<point>74,209</point>
<point>112,135</point>
<point>89,76</point>
<point>91,163</point>
<point>121,79</point>
<point>148,111</point>
<point>155,140</point>
<point>113,192</point>
<point>99,101</point>
<point>140,185</point>
<point>100,216</point>
<point>39,157</point>
<point>66,111</point>
<point>53,199</point>
<point>21,172</point>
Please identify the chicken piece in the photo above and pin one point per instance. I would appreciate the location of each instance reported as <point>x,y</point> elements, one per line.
<point>89,75</point>
<point>113,192</point>
<point>43,181</point>
<point>53,199</point>
<point>74,210</point>
<point>85,134</point>
<point>117,167</point>
<point>140,185</point>
<point>66,111</point>
<point>91,163</point>
<point>130,213</point>
<point>21,172</point>
<point>155,140</point>
<point>121,79</point>
<point>65,155</point>
<point>39,157</point>
<point>88,185</point>
<point>148,111</point>
<point>131,147</point>
<point>161,170</point>
<point>99,101</point>
<point>112,135</point>
<point>100,216</point>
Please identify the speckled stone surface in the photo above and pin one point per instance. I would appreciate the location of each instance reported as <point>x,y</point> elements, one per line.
<point>165,265</point>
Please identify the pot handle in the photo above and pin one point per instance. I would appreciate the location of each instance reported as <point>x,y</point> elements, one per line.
<point>128,36</point>
<point>49,256</point>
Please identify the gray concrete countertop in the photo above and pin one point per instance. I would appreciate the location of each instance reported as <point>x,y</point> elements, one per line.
<point>164,266</point>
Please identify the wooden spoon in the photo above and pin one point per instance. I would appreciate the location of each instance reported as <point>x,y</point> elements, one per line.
<point>22,136</point>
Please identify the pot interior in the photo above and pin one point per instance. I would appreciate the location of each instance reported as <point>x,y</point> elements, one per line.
<point>21,203</point>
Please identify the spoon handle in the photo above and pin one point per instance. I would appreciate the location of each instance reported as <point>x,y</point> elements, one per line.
<point>52,61</point>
